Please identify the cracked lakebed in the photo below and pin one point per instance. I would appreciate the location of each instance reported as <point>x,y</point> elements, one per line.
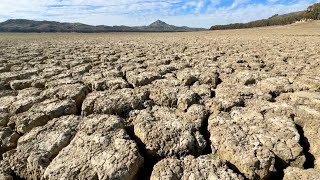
<point>205,105</point>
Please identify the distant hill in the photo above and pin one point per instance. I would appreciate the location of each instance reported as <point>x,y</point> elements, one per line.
<point>23,25</point>
<point>313,12</point>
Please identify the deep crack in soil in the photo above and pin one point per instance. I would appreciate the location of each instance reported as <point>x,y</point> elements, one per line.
<point>280,165</point>
<point>145,171</point>
<point>309,163</point>
<point>206,134</point>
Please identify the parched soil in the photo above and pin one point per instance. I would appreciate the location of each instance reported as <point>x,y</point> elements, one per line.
<point>239,104</point>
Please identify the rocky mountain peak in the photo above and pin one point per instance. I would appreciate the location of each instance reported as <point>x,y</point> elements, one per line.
<point>159,23</point>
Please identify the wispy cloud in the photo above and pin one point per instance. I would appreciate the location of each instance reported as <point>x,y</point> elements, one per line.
<point>196,13</point>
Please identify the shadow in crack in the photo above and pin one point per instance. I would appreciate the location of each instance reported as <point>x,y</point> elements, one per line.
<point>235,169</point>
<point>16,177</point>
<point>280,165</point>
<point>206,134</point>
<point>309,163</point>
<point>149,161</point>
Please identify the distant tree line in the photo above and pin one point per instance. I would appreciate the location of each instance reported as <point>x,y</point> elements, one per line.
<point>272,21</point>
<point>313,12</point>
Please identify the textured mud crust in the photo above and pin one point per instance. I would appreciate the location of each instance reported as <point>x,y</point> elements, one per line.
<point>239,104</point>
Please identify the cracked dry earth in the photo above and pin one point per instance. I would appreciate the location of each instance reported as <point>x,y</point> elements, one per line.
<point>241,104</point>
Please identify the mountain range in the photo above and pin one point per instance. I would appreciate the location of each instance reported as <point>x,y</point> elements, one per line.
<point>24,25</point>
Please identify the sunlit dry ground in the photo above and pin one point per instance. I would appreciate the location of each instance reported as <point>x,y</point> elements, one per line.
<point>229,104</point>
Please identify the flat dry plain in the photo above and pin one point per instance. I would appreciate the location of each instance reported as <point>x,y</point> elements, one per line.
<point>236,104</point>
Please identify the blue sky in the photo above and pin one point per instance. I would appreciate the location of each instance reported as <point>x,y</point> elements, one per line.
<point>194,13</point>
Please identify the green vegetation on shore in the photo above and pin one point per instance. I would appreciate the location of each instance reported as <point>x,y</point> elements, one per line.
<point>313,12</point>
